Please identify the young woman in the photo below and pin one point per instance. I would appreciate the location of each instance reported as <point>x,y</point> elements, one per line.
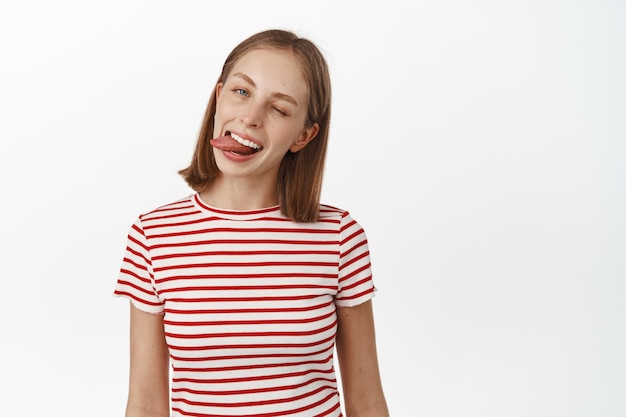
<point>241,292</point>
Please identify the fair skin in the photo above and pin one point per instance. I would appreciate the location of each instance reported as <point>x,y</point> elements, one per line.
<point>358,361</point>
<point>148,388</point>
<point>264,100</point>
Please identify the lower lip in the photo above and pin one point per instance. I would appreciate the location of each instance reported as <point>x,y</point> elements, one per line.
<point>238,158</point>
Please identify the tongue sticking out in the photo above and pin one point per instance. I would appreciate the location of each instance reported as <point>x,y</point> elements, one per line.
<point>227,143</point>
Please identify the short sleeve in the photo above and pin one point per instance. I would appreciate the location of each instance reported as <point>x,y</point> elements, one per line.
<point>356,284</point>
<point>136,280</point>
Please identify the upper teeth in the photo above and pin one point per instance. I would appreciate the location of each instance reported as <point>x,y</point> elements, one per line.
<point>244,142</point>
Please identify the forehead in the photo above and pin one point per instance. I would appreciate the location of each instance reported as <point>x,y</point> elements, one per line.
<point>273,69</point>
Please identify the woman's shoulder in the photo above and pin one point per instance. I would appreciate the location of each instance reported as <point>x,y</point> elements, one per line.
<point>341,215</point>
<point>328,211</point>
<point>177,207</point>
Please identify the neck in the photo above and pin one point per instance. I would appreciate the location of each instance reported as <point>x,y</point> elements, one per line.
<point>240,194</point>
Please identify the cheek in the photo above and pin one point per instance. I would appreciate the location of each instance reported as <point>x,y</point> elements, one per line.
<point>224,111</point>
<point>218,119</point>
<point>217,125</point>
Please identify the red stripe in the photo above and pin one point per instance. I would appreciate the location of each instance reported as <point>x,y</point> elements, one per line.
<point>244,264</point>
<point>248,356</point>
<point>171,216</point>
<point>358,295</point>
<point>241,253</point>
<point>272,414</point>
<point>231,299</point>
<point>256,390</point>
<point>252,378</point>
<point>135,264</point>
<point>289,275</point>
<point>353,248</point>
<point>179,205</point>
<point>352,236</point>
<point>248,287</point>
<point>248,322</point>
<point>354,273</point>
<point>134,297</point>
<point>323,361</point>
<point>132,284</point>
<point>237,230</point>
<point>248,310</point>
<point>233,212</point>
<point>240,242</point>
<point>254,403</point>
<point>254,345</point>
<point>358,283</point>
<point>138,254</point>
<point>216,335</point>
<point>355,259</point>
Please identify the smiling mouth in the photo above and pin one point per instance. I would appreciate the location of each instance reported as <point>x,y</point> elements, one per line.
<point>232,142</point>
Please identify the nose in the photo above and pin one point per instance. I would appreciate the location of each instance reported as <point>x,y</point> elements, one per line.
<point>252,114</point>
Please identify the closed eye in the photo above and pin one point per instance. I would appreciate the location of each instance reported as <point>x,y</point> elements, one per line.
<point>280,111</point>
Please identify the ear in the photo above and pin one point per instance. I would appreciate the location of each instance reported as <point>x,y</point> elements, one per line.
<point>218,90</point>
<point>306,136</point>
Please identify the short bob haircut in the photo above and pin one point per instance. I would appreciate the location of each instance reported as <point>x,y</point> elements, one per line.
<point>299,183</point>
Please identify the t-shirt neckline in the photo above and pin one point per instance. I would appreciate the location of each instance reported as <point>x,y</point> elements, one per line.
<point>248,214</point>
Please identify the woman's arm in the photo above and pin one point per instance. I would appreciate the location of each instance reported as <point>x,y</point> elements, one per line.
<point>148,389</point>
<point>358,362</point>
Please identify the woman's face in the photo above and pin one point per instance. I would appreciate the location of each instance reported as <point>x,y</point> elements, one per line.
<point>263,106</point>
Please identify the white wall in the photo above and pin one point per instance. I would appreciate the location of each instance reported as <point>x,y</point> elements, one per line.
<point>482,145</point>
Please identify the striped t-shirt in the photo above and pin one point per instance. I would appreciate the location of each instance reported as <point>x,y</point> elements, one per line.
<point>249,303</point>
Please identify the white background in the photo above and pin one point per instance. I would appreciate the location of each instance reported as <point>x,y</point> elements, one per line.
<point>481,144</point>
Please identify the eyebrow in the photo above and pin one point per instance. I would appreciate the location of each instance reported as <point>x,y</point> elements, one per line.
<point>282,96</point>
